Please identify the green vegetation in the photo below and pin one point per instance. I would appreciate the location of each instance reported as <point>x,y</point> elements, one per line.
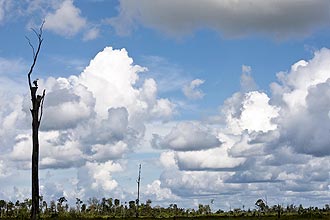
<point>114,208</point>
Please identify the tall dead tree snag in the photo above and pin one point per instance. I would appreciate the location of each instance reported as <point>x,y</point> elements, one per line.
<point>138,193</point>
<point>36,112</point>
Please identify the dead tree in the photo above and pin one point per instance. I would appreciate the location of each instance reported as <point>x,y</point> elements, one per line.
<point>36,112</point>
<point>138,193</point>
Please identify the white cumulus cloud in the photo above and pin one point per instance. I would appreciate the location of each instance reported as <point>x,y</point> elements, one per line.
<point>161,193</point>
<point>249,111</point>
<point>275,143</point>
<point>187,136</point>
<point>92,117</point>
<point>66,20</point>
<point>100,175</point>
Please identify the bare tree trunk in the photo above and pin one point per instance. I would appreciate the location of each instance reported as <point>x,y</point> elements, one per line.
<point>37,103</point>
<point>35,170</point>
<point>138,193</point>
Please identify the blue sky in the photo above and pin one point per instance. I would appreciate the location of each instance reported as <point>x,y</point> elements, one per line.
<point>217,100</point>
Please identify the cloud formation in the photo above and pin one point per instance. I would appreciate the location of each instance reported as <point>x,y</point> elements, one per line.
<point>160,193</point>
<point>303,95</point>
<point>191,91</point>
<point>90,121</point>
<point>278,141</point>
<point>61,17</point>
<point>100,175</point>
<point>66,20</point>
<point>12,66</point>
<point>187,136</point>
<point>230,18</point>
<point>91,34</point>
<point>274,143</point>
<point>247,82</point>
<point>5,7</point>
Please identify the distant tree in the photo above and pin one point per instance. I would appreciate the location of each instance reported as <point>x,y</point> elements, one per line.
<point>200,209</point>
<point>10,209</point>
<point>117,202</point>
<point>52,207</point>
<point>261,205</point>
<point>110,203</point>
<point>93,205</point>
<point>220,211</point>
<point>104,206</point>
<point>37,105</point>
<point>28,203</point>
<point>148,202</point>
<point>279,210</point>
<point>131,204</point>
<point>132,208</point>
<point>291,208</point>
<point>78,203</point>
<point>117,206</point>
<point>44,206</point>
<point>300,209</point>
<point>83,207</point>
<point>22,209</point>
<point>203,209</point>
<point>60,207</point>
<point>41,203</point>
<point>3,204</point>
<point>17,206</point>
<point>147,208</point>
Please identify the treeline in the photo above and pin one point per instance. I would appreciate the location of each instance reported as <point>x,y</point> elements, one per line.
<point>114,208</point>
